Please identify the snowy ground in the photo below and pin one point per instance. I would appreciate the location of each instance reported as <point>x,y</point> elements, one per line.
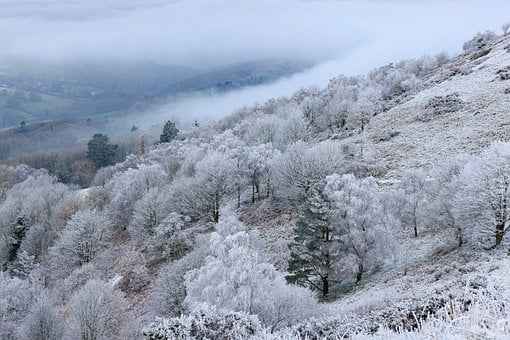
<point>484,118</point>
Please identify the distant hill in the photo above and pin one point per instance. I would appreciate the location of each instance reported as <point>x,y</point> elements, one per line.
<point>236,76</point>
<point>38,92</point>
<point>47,136</point>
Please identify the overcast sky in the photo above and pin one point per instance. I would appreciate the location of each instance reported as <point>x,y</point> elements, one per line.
<point>338,36</point>
<point>211,32</point>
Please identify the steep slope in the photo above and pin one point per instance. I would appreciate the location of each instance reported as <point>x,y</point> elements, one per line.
<point>207,218</point>
<point>477,117</point>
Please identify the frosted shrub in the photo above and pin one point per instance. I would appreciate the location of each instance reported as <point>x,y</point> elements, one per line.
<point>441,105</point>
<point>504,74</point>
<point>205,322</point>
<point>479,41</point>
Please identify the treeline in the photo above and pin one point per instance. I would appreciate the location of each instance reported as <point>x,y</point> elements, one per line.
<point>78,165</point>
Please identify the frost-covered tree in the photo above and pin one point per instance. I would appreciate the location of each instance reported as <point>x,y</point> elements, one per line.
<point>43,321</point>
<point>292,130</point>
<point>233,148</point>
<point>128,187</point>
<point>11,175</point>
<point>444,192</point>
<point>258,169</point>
<point>312,107</point>
<point>97,312</point>
<point>213,182</point>
<point>33,200</point>
<point>262,130</point>
<point>84,236</point>
<point>148,213</point>
<point>414,190</point>
<point>237,277</point>
<point>485,194</point>
<point>174,237</point>
<point>303,166</point>
<point>359,222</point>
<point>169,291</point>
<point>27,204</point>
<point>16,299</point>
<point>479,41</point>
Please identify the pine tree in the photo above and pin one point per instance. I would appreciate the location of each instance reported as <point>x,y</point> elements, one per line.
<point>19,231</point>
<point>24,265</point>
<point>100,151</point>
<point>22,126</point>
<point>170,132</point>
<point>313,254</point>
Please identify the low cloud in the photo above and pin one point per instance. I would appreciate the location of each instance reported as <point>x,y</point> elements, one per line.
<point>348,37</point>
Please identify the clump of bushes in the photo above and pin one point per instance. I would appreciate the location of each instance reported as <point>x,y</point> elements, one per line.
<point>504,74</point>
<point>463,70</point>
<point>441,105</point>
<point>479,42</point>
<point>385,136</point>
<point>205,323</point>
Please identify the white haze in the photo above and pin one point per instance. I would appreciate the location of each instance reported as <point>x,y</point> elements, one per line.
<point>348,37</point>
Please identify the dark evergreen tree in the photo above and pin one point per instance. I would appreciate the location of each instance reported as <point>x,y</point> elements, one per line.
<point>101,152</point>
<point>19,231</point>
<point>313,252</point>
<point>22,126</point>
<point>170,132</point>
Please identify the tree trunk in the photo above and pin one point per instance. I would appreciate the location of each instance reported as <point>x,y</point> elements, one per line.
<point>415,225</point>
<point>238,196</point>
<point>216,208</point>
<point>359,274</point>
<point>325,287</point>
<point>500,233</point>
<point>460,238</point>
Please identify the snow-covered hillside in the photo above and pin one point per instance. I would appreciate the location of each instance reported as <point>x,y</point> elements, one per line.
<point>375,208</point>
<point>481,82</point>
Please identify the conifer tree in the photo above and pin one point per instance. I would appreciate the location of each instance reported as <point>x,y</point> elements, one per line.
<point>19,231</point>
<point>313,251</point>
<point>170,132</point>
<point>100,151</point>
